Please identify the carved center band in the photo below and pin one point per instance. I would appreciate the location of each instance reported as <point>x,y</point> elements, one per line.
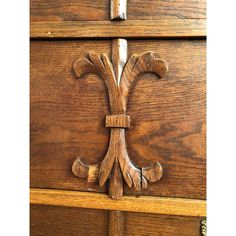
<point>118,121</point>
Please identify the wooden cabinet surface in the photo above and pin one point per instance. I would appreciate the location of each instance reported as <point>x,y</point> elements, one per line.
<point>167,117</point>
<point>52,220</point>
<point>97,10</point>
<point>68,117</point>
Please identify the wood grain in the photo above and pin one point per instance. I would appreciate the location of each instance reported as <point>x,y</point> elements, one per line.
<point>145,204</point>
<point>74,10</point>
<point>73,125</point>
<point>164,225</point>
<point>60,10</point>
<point>61,221</point>
<point>68,116</point>
<point>116,223</point>
<point>169,124</point>
<point>126,29</point>
<point>118,121</point>
<point>168,118</point>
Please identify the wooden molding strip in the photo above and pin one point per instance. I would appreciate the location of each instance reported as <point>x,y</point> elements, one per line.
<point>126,29</point>
<point>118,9</point>
<point>145,204</point>
<point>116,223</point>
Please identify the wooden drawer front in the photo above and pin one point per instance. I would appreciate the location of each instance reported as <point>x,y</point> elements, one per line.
<point>167,116</point>
<point>61,221</point>
<point>139,224</point>
<point>85,10</point>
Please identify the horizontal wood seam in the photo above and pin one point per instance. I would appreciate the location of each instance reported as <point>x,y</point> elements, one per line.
<point>127,29</point>
<point>144,204</point>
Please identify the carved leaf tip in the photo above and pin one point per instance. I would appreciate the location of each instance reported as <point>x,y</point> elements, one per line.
<point>105,169</point>
<point>152,62</point>
<point>83,66</point>
<point>153,173</point>
<point>133,177</point>
<point>147,62</point>
<point>79,169</point>
<point>161,67</point>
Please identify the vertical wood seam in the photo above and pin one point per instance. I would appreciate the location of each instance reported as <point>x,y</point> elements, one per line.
<point>116,223</point>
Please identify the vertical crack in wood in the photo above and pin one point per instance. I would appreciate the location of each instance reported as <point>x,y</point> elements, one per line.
<point>118,9</point>
<point>116,223</point>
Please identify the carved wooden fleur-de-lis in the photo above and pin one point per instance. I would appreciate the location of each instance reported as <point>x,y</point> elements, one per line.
<point>117,165</point>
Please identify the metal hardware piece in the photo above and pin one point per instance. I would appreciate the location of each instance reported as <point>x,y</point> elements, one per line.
<point>204,227</point>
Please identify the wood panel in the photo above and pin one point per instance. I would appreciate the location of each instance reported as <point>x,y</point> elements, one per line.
<point>164,225</point>
<point>54,220</point>
<point>126,29</point>
<point>162,9</point>
<point>73,10</point>
<point>168,122</point>
<point>61,221</point>
<point>67,115</point>
<point>147,204</point>
<point>60,10</point>
<point>167,117</point>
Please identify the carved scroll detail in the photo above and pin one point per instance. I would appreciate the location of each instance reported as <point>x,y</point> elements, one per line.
<point>117,165</point>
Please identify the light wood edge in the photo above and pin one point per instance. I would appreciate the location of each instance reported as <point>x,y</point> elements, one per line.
<point>118,10</point>
<point>144,204</point>
<point>116,29</point>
